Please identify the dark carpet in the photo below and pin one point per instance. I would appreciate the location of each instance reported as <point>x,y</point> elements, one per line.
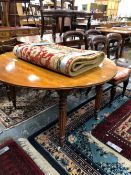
<point>29,102</point>
<point>14,161</point>
<point>117,130</point>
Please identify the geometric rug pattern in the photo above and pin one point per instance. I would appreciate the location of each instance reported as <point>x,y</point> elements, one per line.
<point>81,154</point>
<point>115,130</point>
<point>14,161</point>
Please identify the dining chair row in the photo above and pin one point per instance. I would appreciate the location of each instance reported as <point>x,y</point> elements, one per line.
<point>109,44</point>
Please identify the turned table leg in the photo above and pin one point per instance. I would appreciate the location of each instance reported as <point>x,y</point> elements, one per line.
<point>99,93</point>
<point>62,114</point>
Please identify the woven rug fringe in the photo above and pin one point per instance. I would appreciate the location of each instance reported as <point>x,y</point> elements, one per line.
<point>37,158</point>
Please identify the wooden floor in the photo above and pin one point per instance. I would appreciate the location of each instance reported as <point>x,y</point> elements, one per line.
<point>9,32</point>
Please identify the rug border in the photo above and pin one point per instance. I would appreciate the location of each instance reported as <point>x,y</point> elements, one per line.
<point>43,152</point>
<point>93,132</point>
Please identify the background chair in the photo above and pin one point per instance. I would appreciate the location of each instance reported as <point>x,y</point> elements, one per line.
<point>114,47</point>
<point>73,39</point>
<point>46,22</point>
<point>99,42</point>
<point>123,73</point>
<point>66,22</point>
<point>88,35</point>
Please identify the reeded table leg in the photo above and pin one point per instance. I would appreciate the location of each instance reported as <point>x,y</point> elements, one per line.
<point>62,114</point>
<point>99,93</point>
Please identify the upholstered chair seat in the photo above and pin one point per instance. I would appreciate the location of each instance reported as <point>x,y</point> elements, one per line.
<point>123,72</point>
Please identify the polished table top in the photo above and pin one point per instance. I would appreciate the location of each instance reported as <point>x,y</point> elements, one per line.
<point>65,12</point>
<point>18,72</point>
<point>121,30</point>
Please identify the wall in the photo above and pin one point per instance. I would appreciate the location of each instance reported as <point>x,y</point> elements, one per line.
<point>80,2</point>
<point>124,9</point>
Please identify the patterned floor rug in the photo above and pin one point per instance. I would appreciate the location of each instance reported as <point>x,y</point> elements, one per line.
<point>14,161</point>
<point>116,130</point>
<point>29,102</point>
<point>82,154</point>
<point>127,51</point>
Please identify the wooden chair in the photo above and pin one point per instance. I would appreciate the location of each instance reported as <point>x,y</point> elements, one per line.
<point>123,73</point>
<point>122,76</point>
<point>115,42</point>
<point>88,35</point>
<point>73,39</point>
<point>99,42</point>
<point>46,22</point>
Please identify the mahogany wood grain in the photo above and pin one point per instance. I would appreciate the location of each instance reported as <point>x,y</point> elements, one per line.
<point>21,73</point>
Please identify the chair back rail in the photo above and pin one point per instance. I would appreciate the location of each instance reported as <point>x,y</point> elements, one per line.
<point>114,46</point>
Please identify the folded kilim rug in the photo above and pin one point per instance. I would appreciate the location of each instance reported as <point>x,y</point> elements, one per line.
<point>116,130</point>
<point>62,59</point>
<point>82,154</point>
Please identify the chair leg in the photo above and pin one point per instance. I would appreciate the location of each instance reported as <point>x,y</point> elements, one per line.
<point>125,83</point>
<point>112,95</point>
<point>8,92</point>
<point>13,95</point>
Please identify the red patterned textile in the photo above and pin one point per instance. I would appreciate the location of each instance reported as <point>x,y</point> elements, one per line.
<point>14,161</point>
<point>117,129</point>
<point>62,59</point>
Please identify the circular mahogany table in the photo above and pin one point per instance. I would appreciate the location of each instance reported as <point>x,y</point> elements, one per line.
<point>17,72</point>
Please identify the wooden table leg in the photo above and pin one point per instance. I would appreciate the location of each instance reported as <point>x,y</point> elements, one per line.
<point>99,93</point>
<point>62,114</point>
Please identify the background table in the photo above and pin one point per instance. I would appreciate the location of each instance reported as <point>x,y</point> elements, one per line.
<point>17,72</point>
<point>56,13</point>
